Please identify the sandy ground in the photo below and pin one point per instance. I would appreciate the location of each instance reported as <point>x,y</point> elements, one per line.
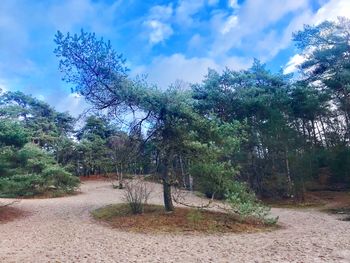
<point>62,230</point>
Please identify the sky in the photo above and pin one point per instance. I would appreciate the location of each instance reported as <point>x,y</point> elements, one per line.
<point>165,40</point>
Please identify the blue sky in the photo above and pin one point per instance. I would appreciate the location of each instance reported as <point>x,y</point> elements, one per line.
<point>167,40</point>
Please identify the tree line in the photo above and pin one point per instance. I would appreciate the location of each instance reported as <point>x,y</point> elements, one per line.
<point>273,133</point>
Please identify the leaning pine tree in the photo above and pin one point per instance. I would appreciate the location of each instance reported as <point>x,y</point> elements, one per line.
<point>100,75</point>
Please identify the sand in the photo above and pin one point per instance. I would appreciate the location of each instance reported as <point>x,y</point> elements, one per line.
<point>62,230</point>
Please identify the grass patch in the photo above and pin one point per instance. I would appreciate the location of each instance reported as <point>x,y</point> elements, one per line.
<point>182,220</point>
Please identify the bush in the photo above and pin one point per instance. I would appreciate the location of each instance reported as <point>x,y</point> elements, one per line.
<point>244,203</point>
<point>21,185</point>
<point>54,178</point>
<point>213,178</point>
<point>12,134</point>
<point>136,194</point>
<point>59,178</point>
<point>33,159</point>
<point>31,171</point>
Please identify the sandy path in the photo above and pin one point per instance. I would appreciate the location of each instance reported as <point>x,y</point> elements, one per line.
<point>61,230</point>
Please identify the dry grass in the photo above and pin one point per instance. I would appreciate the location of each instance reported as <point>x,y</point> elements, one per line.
<point>182,220</point>
<point>93,178</point>
<point>318,199</point>
<point>8,213</point>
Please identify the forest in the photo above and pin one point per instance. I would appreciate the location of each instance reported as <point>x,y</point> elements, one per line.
<point>235,135</point>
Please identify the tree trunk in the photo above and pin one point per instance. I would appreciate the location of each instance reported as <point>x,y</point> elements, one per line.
<point>324,133</point>
<point>185,177</point>
<point>168,201</point>
<point>165,162</point>
<point>121,186</point>
<point>289,179</point>
<point>314,132</point>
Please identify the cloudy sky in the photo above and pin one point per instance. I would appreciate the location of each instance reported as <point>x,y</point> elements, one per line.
<point>167,40</point>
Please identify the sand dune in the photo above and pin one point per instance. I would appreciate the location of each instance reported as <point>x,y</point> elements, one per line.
<point>62,230</point>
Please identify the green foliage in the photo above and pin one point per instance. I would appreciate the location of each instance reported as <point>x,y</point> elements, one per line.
<point>7,155</point>
<point>95,126</point>
<point>244,203</point>
<point>213,178</point>
<point>340,164</point>
<point>213,147</point>
<point>259,100</point>
<point>43,124</point>
<point>12,134</point>
<point>326,49</point>
<point>21,185</point>
<point>33,160</point>
<point>168,114</point>
<point>30,171</point>
<point>59,178</point>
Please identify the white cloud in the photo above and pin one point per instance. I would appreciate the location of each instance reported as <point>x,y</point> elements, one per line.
<point>161,12</point>
<point>229,24</point>
<point>165,70</point>
<point>273,42</point>
<point>233,4</point>
<point>250,22</point>
<point>186,9</point>
<point>158,31</point>
<point>158,25</point>
<point>74,103</point>
<point>293,63</point>
<point>195,41</point>
<point>332,10</point>
<point>252,28</point>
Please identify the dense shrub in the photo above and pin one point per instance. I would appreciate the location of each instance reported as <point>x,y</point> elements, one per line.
<point>21,185</point>
<point>59,178</point>
<point>12,134</point>
<point>340,164</point>
<point>33,159</point>
<point>31,171</point>
<point>212,178</point>
<point>244,203</point>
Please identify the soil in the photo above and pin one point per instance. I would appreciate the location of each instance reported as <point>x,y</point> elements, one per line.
<point>63,230</point>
